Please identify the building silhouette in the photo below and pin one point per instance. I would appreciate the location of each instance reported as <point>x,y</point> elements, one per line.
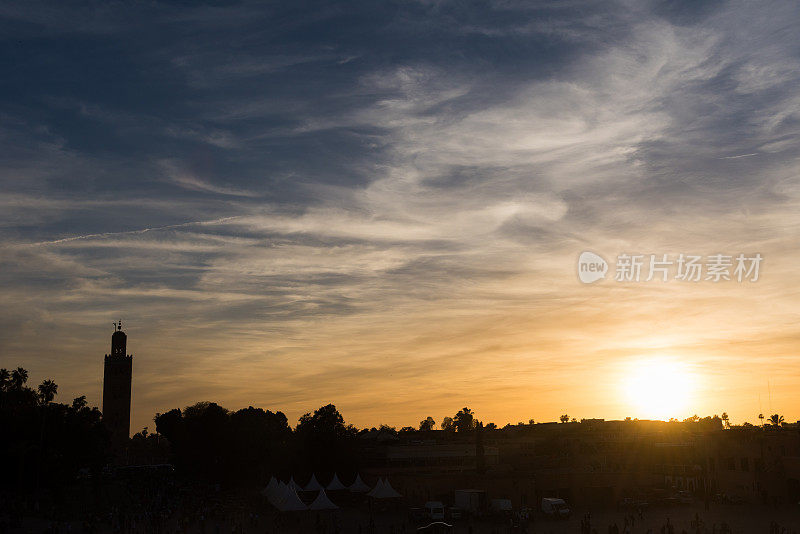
<point>117,375</point>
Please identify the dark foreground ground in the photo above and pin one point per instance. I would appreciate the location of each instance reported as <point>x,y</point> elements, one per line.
<point>744,519</point>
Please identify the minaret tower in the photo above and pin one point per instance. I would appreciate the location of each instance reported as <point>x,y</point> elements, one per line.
<point>117,375</point>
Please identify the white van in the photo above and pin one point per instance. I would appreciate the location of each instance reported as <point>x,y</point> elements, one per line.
<point>555,507</point>
<point>435,510</point>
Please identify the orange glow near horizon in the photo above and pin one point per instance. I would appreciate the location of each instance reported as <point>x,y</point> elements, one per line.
<point>659,388</point>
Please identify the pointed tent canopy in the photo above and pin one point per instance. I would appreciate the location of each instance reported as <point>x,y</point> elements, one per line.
<point>389,491</point>
<point>335,484</point>
<point>377,489</point>
<point>290,502</point>
<point>293,485</point>
<point>271,486</point>
<point>313,485</point>
<point>358,486</point>
<point>383,490</point>
<point>322,502</point>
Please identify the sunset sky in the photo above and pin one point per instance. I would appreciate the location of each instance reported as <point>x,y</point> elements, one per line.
<point>381,205</point>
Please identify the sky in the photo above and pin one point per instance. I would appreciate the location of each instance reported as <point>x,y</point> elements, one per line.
<point>382,204</point>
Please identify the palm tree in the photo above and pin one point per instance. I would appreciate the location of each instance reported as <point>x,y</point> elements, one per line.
<point>47,391</point>
<point>725,420</point>
<point>761,417</point>
<point>776,419</point>
<point>5,378</point>
<point>18,378</point>
<point>79,403</point>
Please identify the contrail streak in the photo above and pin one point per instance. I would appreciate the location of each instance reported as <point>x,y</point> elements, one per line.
<point>131,232</point>
<point>741,156</point>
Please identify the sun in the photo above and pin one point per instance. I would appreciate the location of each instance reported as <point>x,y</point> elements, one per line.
<point>659,389</point>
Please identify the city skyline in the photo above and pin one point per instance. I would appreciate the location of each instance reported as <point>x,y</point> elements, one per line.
<point>383,206</point>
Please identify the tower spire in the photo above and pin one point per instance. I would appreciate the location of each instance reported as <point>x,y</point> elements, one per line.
<point>117,375</point>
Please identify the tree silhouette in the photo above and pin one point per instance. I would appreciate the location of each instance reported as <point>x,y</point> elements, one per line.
<point>47,391</point>
<point>326,422</point>
<point>725,420</point>
<point>200,438</point>
<point>210,443</point>
<point>46,442</point>
<point>324,441</point>
<point>260,441</point>
<point>761,418</point>
<point>776,419</point>
<point>464,420</point>
<point>79,402</point>
<point>427,424</point>
<point>19,377</point>
<point>564,418</point>
<point>447,424</point>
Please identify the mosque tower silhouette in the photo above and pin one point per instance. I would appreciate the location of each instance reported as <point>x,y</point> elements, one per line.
<point>117,376</point>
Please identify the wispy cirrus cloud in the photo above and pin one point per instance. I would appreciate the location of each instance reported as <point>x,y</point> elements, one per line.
<point>366,200</point>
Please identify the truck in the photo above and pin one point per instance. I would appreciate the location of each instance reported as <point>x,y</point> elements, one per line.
<point>555,507</point>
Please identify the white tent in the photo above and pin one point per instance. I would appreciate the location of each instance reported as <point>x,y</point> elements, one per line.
<point>377,489</point>
<point>289,501</point>
<point>271,486</point>
<point>358,485</point>
<point>335,484</point>
<point>383,490</point>
<point>293,485</point>
<point>292,503</point>
<point>322,502</point>
<point>313,485</point>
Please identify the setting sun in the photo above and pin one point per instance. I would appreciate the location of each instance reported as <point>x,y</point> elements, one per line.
<point>658,389</point>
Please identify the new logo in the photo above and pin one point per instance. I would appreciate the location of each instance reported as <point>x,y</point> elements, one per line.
<point>591,267</point>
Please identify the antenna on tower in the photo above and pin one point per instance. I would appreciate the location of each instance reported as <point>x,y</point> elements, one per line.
<point>119,325</point>
<point>115,326</point>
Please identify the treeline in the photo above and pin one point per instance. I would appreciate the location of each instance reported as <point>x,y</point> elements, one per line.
<point>246,446</point>
<point>44,443</point>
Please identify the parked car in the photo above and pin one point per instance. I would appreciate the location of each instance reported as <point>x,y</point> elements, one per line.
<point>554,507</point>
<point>434,510</point>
